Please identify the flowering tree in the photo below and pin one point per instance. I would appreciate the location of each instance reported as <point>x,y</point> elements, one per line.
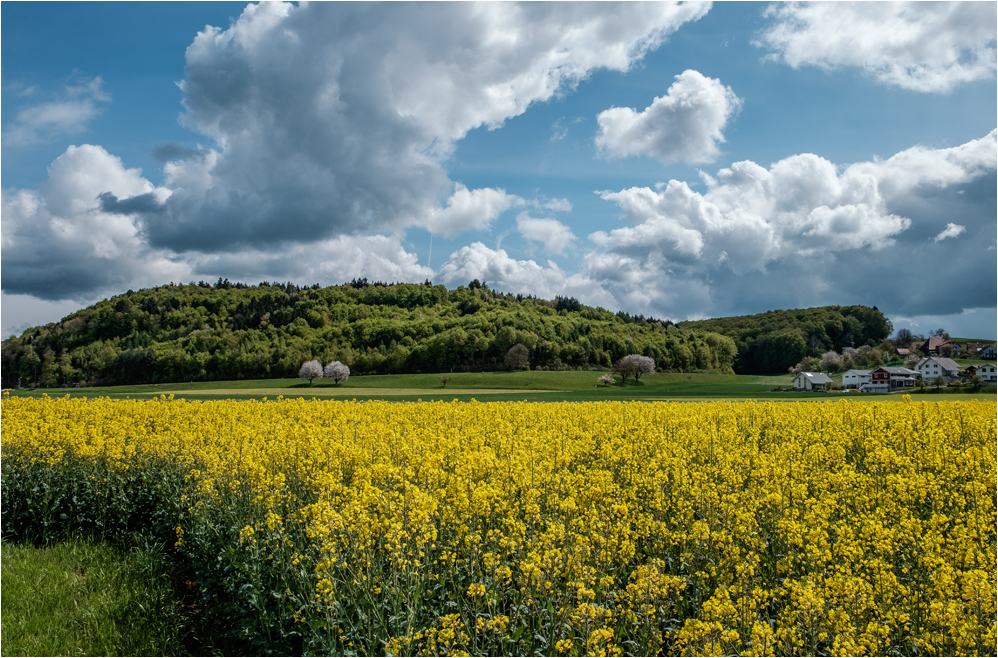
<point>606,380</point>
<point>310,370</point>
<point>635,365</point>
<point>830,361</point>
<point>337,372</point>
<point>807,364</point>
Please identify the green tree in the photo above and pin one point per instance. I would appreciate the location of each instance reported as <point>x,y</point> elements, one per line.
<point>517,357</point>
<point>49,375</point>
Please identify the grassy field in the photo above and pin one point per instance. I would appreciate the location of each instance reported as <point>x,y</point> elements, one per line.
<point>80,598</point>
<point>539,386</point>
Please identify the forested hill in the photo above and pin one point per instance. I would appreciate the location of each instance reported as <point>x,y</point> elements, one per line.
<point>225,331</point>
<point>776,340</point>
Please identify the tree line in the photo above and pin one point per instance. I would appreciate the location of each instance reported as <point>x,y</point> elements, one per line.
<point>224,331</point>
<point>776,341</point>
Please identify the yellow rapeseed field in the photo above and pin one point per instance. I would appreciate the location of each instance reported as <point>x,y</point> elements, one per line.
<point>335,527</point>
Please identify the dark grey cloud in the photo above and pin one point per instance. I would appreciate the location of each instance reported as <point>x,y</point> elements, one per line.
<point>145,204</point>
<point>171,151</point>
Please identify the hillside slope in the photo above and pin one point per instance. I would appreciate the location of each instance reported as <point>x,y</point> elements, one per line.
<point>204,332</point>
<point>776,340</point>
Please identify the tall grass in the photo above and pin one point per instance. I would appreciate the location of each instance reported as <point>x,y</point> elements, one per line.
<point>83,598</point>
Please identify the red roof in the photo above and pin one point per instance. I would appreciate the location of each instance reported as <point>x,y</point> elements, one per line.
<point>934,343</point>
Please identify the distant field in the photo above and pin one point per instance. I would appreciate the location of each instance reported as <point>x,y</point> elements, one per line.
<point>576,386</point>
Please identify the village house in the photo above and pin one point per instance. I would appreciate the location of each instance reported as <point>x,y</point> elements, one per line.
<point>986,352</point>
<point>885,379</point>
<point>938,366</point>
<point>933,346</point>
<point>987,372</point>
<point>812,381</point>
<point>855,378</point>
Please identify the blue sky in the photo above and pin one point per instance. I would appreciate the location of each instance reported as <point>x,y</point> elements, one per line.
<point>679,161</point>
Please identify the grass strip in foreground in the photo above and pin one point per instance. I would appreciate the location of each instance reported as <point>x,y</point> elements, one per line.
<point>79,598</point>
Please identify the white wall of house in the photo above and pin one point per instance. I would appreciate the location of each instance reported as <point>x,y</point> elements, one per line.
<point>988,373</point>
<point>931,367</point>
<point>855,378</point>
<point>809,381</point>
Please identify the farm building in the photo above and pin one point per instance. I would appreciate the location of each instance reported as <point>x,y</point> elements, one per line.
<point>812,381</point>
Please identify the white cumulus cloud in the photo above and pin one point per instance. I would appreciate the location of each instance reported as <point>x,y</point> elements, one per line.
<point>919,166</point>
<point>58,242</point>
<point>69,113</point>
<point>501,272</point>
<point>336,118</point>
<point>951,231</point>
<point>555,236</point>
<point>686,124</point>
<point>822,231</point>
<point>469,210</point>
<point>335,260</point>
<point>922,46</point>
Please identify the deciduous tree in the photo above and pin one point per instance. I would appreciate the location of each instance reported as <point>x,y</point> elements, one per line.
<point>517,357</point>
<point>635,365</point>
<point>310,370</point>
<point>831,361</point>
<point>336,371</point>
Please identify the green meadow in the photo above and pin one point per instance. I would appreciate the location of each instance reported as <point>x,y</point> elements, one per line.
<point>533,386</point>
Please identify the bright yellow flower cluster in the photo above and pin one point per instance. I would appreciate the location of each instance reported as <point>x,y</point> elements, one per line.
<point>760,528</point>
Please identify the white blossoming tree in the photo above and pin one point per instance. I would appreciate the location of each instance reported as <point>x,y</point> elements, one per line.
<point>336,371</point>
<point>310,370</point>
<point>635,365</point>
